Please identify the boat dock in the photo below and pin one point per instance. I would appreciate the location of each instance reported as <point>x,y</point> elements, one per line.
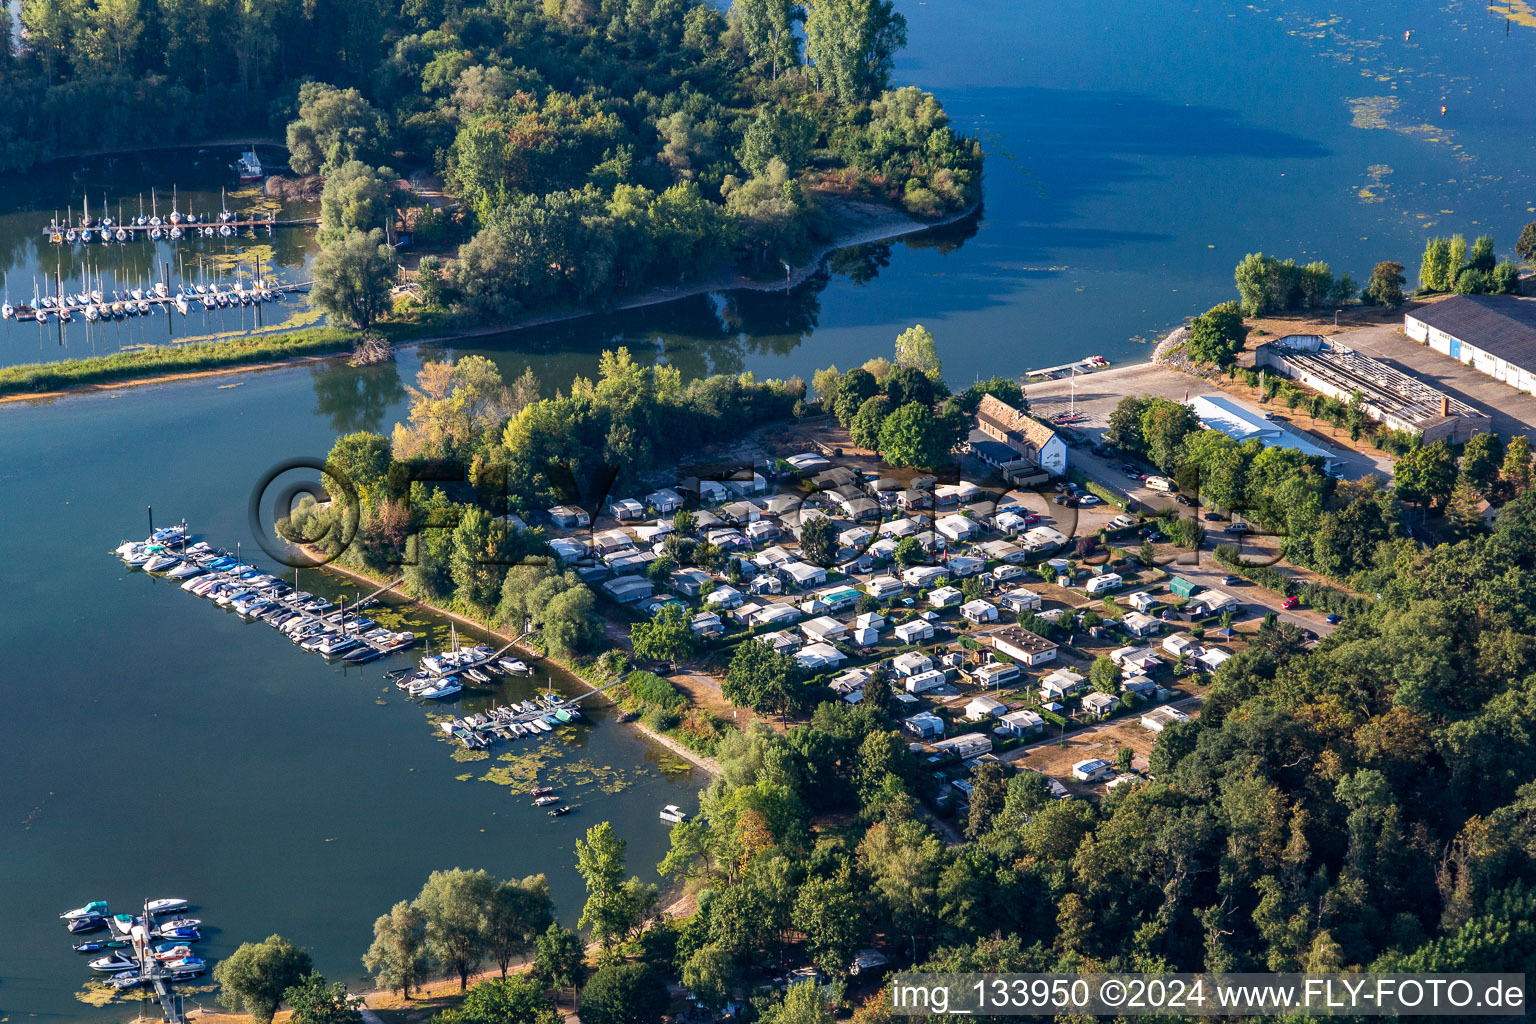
<point>1092,364</point>
<point>61,234</point>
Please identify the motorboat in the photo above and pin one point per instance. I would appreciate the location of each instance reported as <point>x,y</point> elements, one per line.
<point>178,934</point>
<point>90,946</point>
<point>96,908</point>
<point>513,666</point>
<point>542,791</point>
<point>114,963</point>
<point>559,811</point>
<point>674,814</point>
<point>186,570</point>
<point>545,801</point>
<point>248,167</point>
<point>335,646</point>
<point>165,905</point>
<point>127,979</point>
<point>186,965</point>
<point>446,686</point>
<point>177,923</point>
<point>123,924</point>
<point>81,925</point>
<point>167,951</point>
<point>161,562</point>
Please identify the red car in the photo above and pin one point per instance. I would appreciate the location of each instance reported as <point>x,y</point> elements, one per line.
<point>1290,602</point>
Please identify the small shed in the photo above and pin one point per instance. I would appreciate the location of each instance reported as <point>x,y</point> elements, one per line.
<point>1182,587</point>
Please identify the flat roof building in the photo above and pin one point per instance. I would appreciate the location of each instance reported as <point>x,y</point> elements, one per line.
<point>1494,334</point>
<point>1241,421</point>
<point>1391,397</point>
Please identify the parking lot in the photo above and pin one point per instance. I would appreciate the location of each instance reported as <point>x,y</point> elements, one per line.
<point>1094,396</point>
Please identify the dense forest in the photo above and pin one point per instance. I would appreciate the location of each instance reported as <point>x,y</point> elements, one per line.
<point>592,146</point>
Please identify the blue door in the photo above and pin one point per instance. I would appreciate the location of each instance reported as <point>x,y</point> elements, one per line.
<point>1455,348</point>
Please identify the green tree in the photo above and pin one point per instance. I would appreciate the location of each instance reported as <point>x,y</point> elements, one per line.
<point>803,1003</point>
<point>363,458</point>
<point>1481,458</point>
<point>315,1002</point>
<point>1124,429</point>
<point>1482,257</point>
<point>917,348</point>
<point>854,388</point>
<point>453,907</point>
<point>1216,336</point>
<point>830,912</point>
<point>1456,256</point>
<point>1525,246</point>
<point>254,977</point>
<point>910,551</point>
<point>906,384</point>
<point>614,908</point>
<point>1505,279</point>
<point>1473,282</point>
<point>1435,271</point>
<point>628,993</point>
<point>1426,474</point>
<point>569,622</point>
<point>768,35</point>
<point>852,46</point>
<point>760,678</point>
<point>865,428</point>
<point>666,636</point>
<point>914,436</point>
<point>519,912</point>
<point>334,126</point>
<point>397,960</point>
<point>356,197</point>
<point>1385,288</point>
<point>1104,675</point>
<point>1005,389</point>
<point>353,277</point>
<point>559,961</point>
<point>1516,471</point>
<point>818,540</point>
<point>503,1001</point>
<point>1164,426</point>
<point>777,133</point>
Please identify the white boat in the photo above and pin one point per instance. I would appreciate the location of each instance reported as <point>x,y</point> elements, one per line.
<point>674,814</point>
<point>513,666</point>
<point>114,963</point>
<point>160,562</point>
<point>96,908</point>
<point>248,167</point>
<point>441,688</point>
<point>165,905</point>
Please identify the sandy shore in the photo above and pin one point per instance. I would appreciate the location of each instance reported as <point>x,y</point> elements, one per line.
<point>860,223</point>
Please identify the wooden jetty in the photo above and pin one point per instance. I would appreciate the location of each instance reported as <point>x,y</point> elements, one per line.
<point>58,233</point>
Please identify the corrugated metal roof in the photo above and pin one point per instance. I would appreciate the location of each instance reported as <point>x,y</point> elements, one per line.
<point>1501,325</point>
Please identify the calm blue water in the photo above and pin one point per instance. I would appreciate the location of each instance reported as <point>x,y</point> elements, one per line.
<point>1137,151</point>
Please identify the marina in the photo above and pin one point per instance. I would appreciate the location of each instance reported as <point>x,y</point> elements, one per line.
<point>340,632</point>
<point>141,952</point>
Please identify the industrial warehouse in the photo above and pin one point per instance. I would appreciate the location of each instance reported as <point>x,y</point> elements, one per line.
<point>1493,334</point>
<point>1391,397</point>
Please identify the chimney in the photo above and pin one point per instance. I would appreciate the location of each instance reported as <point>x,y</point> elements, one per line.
<point>1445,405</point>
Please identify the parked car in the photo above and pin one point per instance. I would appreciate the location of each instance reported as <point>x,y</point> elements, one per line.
<point>1089,500</point>
<point>1290,602</point>
<point>1184,499</point>
<point>1237,528</point>
<point>1227,581</point>
<point>1215,517</point>
<point>1333,618</point>
<point>1123,521</point>
<point>1102,451</point>
<point>1131,471</point>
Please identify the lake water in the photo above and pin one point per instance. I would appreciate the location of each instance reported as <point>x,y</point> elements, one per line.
<point>156,746</point>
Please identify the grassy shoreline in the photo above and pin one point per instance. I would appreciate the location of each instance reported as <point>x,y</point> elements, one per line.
<point>192,359</point>
<point>703,762</point>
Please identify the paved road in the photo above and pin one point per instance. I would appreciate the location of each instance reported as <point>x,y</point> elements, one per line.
<point>1096,395</point>
<point>1513,412</point>
<point>1203,567</point>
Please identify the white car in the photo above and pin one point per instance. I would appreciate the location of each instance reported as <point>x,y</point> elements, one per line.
<point>1089,500</point>
<point>1123,521</point>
